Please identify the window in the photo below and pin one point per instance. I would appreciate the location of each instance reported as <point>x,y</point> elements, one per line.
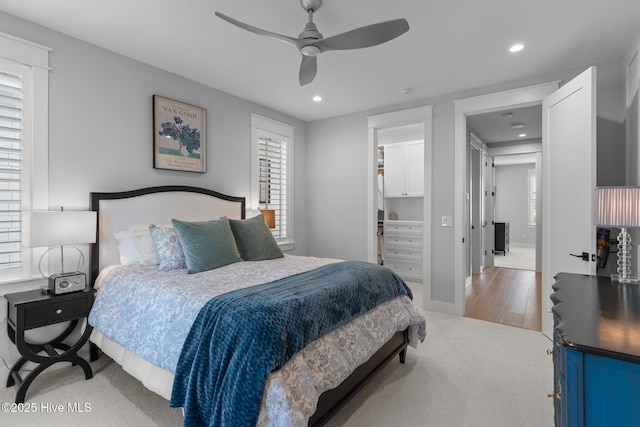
<point>532,197</point>
<point>272,180</point>
<point>272,153</point>
<point>23,150</point>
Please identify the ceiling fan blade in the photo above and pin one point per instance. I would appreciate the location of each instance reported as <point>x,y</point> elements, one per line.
<point>308,69</point>
<point>259,31</point>
<point>371,35</point>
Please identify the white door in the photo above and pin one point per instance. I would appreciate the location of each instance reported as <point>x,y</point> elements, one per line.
<point>569,179</point>
<point>476,209</point>
<point>487,210</point>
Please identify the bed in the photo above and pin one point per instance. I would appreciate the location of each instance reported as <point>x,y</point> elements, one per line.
<point>309,386</point>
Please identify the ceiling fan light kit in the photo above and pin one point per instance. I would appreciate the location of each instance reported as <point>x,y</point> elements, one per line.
<point>311,42</point>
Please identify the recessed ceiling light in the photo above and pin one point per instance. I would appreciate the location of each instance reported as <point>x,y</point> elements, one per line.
<point>405,91</point>
<point>516,47</point>
<point>517,126</point>
<point>317,98</point>
<point>522,135</point>
<point>508,115</point>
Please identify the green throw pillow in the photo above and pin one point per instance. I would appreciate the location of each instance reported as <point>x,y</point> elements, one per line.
<point>254,239</point>
<point>207,244</point>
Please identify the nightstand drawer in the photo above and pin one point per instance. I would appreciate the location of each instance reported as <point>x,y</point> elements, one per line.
<point>36,316</point>
<point>36,309</point>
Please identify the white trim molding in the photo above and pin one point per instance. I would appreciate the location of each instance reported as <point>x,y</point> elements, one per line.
<point>24,52</point>
<point>32,63</point>
<point>414,116</point>
<point>515,98</point>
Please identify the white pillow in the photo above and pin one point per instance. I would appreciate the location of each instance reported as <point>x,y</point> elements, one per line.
<point>127,247</point>
<point>144,244</point>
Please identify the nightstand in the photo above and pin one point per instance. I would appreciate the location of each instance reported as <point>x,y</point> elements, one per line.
<point>33,309</point>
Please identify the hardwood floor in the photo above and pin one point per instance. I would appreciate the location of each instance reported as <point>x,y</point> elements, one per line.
<point>508,296</point>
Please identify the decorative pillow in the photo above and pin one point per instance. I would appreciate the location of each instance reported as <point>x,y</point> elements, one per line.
<point>254,239</point>
<point>127,247</point>
<point>170,255</point>
<point>207,244</point>
<point>145,245</point>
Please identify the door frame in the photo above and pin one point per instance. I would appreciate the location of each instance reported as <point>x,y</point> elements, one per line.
<point>411,116</point>
<point>516,98</point>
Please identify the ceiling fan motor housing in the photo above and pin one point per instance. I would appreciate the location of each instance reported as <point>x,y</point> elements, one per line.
<point>311,5</point>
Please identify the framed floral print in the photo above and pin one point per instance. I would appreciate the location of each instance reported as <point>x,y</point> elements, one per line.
<point>179,136</point>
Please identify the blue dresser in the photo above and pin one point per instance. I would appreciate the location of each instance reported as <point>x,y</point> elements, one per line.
<point>596,356</point>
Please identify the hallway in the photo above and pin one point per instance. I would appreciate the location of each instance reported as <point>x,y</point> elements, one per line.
<point>507,296</point>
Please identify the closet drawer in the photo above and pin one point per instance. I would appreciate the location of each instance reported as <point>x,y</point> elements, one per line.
<point>409,253</point>
<point>404,226</point>
<point>410,240</point>
<point>404,267</point>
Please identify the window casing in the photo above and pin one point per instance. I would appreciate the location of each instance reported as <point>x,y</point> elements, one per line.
<point>24,88</point>
<point>271,174</point>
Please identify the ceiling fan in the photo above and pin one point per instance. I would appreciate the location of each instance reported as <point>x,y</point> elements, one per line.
<point>311,43</point>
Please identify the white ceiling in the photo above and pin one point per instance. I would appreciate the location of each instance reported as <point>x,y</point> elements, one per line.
<point>452,45</point>
<point>497,126</point>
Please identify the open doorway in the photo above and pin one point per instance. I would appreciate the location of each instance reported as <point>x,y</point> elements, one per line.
<point>504,156</point>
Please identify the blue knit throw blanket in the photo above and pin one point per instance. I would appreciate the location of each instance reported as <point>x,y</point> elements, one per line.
<point>240,337</point>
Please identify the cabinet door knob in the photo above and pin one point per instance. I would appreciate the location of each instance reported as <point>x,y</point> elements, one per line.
<point>58,311</point>
<point>550,351</point>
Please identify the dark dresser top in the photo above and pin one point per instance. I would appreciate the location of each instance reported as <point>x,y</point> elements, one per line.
<point>596,315</point>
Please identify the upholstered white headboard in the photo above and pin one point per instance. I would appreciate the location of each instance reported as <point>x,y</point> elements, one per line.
<point>155,205</point>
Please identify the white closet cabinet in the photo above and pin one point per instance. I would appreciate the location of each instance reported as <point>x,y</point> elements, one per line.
<point>404,169</point>
<point>403,248</point>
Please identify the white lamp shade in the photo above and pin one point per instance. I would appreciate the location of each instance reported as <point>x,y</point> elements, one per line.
<point>55,228</point>
<point>617,207</point>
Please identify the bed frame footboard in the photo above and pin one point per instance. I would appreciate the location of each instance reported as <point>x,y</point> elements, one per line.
<point>331,401</point>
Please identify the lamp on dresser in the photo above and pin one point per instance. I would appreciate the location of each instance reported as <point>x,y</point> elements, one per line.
<point>619,207</point>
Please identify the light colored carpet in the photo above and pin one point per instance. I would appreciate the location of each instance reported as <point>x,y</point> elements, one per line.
<point>521,257</point>
<point>467,373</point>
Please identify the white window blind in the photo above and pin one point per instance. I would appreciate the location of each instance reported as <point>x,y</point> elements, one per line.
<point>532,197</point>
<point>272,145</point>
<point>272,180</point>
<point>11,157</point>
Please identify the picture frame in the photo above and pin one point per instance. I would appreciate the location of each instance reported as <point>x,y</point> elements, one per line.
<point>179,136</point>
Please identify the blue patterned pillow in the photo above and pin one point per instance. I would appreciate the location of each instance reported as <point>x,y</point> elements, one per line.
<point>168,246</point>
<point>207,244</point>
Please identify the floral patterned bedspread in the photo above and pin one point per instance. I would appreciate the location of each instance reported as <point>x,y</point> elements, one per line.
<point>151,312</point>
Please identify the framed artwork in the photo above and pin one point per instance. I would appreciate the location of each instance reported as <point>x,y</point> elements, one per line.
<point>179,136</point>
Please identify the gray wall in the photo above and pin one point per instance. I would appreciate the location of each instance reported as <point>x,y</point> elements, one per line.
<point>337,190</point>
<point>512,202</point>
<point>100,126</point>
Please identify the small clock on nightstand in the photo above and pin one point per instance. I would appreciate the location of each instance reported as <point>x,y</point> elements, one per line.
<point>34,309</point>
